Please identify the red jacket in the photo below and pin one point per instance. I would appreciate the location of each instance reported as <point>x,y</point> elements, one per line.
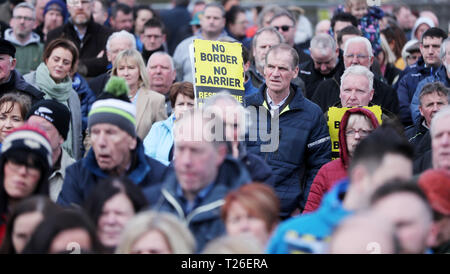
<point>335,170</point>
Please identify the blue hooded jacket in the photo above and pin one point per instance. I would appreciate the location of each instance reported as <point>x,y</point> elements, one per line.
<point>310,233</point>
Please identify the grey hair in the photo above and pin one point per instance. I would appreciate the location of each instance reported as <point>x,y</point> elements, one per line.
<point>231,101</point>
<point>443,50</point>
<point>162,53</point>
<point>443,112</point>
<point>26,6</point>
<point>217,5</point>
<point>433,87</point>
<point>267,29</point>
<point>121,34</point>
<point>323,42</point>
<point>358,70</point>
<point>268,9</point>
<point>286,13</point>
<point>359,39</point>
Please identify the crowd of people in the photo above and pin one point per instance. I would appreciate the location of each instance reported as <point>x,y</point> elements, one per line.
<point>341,144</point>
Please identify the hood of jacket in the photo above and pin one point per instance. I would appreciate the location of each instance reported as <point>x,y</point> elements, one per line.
<point>343,151</point>
<point>34,38</point>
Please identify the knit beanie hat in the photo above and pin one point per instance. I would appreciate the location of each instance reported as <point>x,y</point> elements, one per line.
<point>57,5</point>
<point>54,112</point>
<point>113,107</point>
<point>29,138</point>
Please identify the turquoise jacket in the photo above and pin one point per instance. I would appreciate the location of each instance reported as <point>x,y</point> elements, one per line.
<point>310,233</point>
<point>159,140</point>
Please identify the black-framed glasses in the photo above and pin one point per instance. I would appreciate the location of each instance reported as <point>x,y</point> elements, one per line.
<point>24,18</point>
<point>283,27</point>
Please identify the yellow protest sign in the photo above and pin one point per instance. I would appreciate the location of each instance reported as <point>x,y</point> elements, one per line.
<point>218,66</point>
<point>335,115</point>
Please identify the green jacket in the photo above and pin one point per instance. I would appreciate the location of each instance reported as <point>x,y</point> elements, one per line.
<point>28,55</point>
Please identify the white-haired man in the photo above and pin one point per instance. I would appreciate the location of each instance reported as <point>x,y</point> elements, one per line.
<point>357,51</point>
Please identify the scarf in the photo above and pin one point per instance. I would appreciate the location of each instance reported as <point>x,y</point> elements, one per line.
<point>59,92</point>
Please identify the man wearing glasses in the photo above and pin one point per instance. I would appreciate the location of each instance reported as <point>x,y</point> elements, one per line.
<point>89,37</point>
<point>28,45</point>
<point>357,51</point>
<point>286,24</point>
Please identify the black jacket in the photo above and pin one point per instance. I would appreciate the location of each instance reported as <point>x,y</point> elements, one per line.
<point>419,137</point>
<point>97,84</point>
<point>327,94</point>
<point>94,41</point>
<point>313,77</point>
<point>17,83</point>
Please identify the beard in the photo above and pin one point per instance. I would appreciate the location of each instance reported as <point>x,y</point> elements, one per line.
<point>81,19</point>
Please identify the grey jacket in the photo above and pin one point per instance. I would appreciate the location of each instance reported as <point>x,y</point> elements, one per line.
<point>73,149</point>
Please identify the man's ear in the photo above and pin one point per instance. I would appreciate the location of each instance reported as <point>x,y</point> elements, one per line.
<point>164,37</point>
<point>221,154</point>
<point>133,143</point>
<point>13,64</point>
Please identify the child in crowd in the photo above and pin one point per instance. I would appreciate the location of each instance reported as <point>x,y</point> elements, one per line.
<point>368,18</point>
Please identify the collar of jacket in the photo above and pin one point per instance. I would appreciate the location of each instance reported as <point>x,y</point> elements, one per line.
<point>231,175</point>
<point>17,82</point>
<point>139,167</point>
<point>89,29</point>
<point>257,99</point>
<point>252,70</point>
<point>331,209</point>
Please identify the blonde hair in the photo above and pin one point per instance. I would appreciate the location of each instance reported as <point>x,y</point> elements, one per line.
<point>238,244</point>
<point>354,117</point>
<point>132,54</point>
<point>176,233</point>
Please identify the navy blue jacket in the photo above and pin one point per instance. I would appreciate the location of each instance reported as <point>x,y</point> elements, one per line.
<point>407,86</point>
<point>86,95</point>
<point>304,146</point>
<point>439,76</point>
<point>174,19</point>
<point>85,174</point>
<point>204,220</point>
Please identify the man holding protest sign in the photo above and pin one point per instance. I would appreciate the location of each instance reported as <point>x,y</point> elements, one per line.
<point>302,143</point>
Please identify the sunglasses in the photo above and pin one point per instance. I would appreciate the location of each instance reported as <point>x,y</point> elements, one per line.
<point>283,28</point>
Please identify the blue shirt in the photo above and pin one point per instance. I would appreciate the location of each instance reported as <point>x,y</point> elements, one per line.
<point>188,206</point>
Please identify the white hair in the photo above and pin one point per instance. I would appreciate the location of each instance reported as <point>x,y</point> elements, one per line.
<point>121,34</point>
<point>443,112</point>
<point>356,40</point>
<point>358,70</point>
<point>162,53</point>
